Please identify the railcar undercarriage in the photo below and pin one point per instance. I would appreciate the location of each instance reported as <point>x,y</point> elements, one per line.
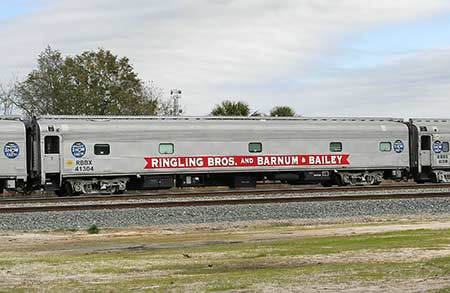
<point>76,186</point>
<point>94,185</point>
<point>12,184</point>
<point>440,176</point>
<point>359,178</point>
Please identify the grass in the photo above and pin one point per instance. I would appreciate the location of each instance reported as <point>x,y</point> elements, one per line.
<point>226,278</point>
<point>443,290</point>
<point>287,263</point>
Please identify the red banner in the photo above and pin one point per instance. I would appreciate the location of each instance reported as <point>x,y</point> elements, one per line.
<point>245,161</point>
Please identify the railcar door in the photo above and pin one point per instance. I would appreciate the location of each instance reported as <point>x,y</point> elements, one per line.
<point>425,150</point>
<point>51,159</point>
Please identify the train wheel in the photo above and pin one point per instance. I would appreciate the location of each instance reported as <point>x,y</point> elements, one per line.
<point>60,192</point>
<point>327,184</point>
<point>68,190</point>
<point>340,180</point>
<point>435,178</point>
<point>371,180</point>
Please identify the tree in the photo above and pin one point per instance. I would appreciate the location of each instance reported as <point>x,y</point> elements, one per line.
<point>230,108</point>
<point>92,83</point>
<point>43,89</point>
<point>282,111</point>
<point>7,95</point>
<point>163,106</point>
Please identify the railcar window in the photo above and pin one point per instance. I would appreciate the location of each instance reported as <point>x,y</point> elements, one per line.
<point>445,147</point>
<point>255,147</point>
<point>51,144</point>
<point>101,149</point>
<point>335,147</point>
<point>385,146</point>
<point>166,148</point>
<point>425,143</point>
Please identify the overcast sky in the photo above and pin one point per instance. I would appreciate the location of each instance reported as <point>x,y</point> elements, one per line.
<point>322,57</point>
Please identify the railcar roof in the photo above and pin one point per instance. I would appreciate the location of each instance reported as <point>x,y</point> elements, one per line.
<point>10,117</point>
<point>221,118</point>
<point>12,126</point>
<point>432,125</point>
<point>179,126</point>
<point>430,120</point>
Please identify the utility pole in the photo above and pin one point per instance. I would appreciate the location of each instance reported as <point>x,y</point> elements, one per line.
<point>175,94</point>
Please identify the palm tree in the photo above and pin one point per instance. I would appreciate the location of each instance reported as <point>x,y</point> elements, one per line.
<point>230,108</point>
<point>282,111</point>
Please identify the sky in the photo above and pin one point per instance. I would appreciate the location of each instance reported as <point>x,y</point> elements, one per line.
<point>321,57</point>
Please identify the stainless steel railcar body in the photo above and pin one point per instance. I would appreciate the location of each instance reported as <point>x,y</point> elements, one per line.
<point>110,152</point>
<point>13,157</point>
<point>430,154</point>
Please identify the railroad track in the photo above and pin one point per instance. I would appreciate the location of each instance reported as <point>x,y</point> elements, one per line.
<point>216,193</point>
<point>217,202</point>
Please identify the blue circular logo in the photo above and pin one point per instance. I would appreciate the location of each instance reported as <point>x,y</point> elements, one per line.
<point>11,150</point>
<point>399,147</point>
<point>78,149</point>
<point>437,147</point>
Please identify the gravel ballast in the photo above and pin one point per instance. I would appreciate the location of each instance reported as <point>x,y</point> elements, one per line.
<point>230,213</point>
<point>149,199</point>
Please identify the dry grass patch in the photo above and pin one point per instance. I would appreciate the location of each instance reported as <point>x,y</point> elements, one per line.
<point>262,258</point>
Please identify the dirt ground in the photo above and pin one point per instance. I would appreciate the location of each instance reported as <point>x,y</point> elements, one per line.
<point>372,255</point>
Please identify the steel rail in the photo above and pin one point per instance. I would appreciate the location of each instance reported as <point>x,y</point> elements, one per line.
<point>215,193</point>
<point>219,202</point>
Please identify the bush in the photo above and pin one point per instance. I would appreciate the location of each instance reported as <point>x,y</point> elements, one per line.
<point>93,229</point>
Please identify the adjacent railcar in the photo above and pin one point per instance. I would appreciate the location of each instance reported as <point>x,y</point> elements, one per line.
<point>430,156</point>
<point>13,157</point>
<point>107,154</point>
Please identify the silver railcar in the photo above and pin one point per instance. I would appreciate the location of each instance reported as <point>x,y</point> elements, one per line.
<point>430,154</point>
<point>94,154</point>
<point>13,157</point>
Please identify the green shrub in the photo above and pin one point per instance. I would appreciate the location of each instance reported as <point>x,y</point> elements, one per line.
<point>93,229</point>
